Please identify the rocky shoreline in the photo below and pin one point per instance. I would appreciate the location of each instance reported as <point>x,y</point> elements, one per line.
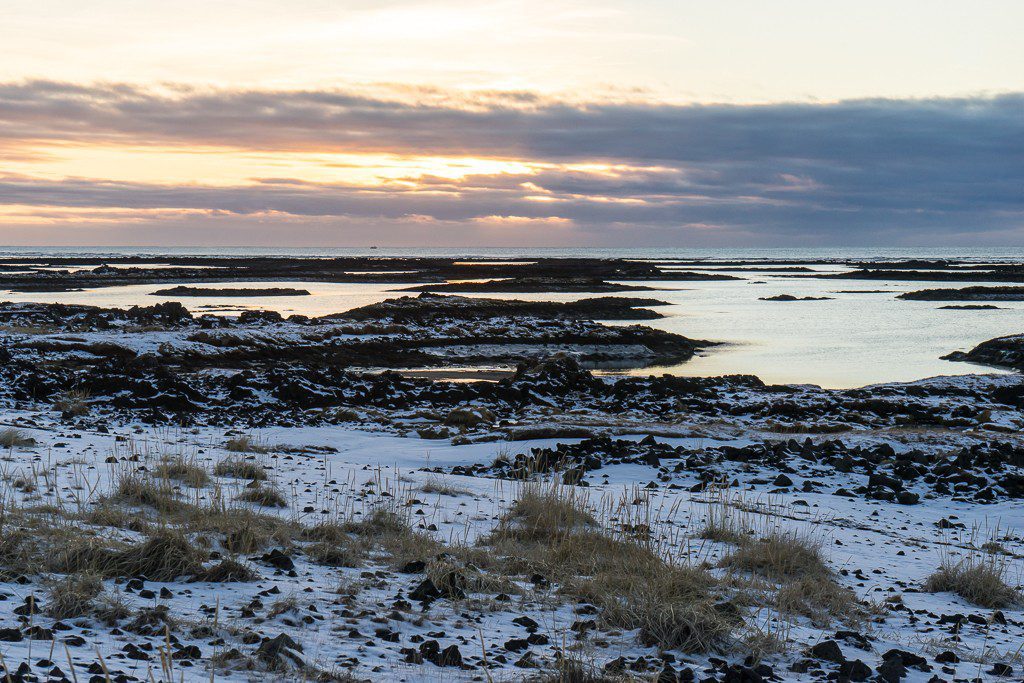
<point>163,365</point>
<point>178,366</point>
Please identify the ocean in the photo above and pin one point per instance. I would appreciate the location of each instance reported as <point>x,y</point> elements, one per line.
<point>850,340</point>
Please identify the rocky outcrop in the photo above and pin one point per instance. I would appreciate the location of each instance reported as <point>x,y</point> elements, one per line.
<point>971,307</point>
<point>183,290</point>
<point>979,293</point>
<point>436,308</point>
<point>1003,352</point>
<point>790,297</point>
<point>521,285</point>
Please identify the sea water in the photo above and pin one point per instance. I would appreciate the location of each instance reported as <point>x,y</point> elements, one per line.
<point>852,339</point>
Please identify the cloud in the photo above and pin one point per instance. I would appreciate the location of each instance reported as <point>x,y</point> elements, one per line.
<point>863,171</point>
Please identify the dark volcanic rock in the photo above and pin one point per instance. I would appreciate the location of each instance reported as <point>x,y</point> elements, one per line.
<point>304,364</point>
<point>534,284</point>
<point>827,650</point>
<point>279,651</point>
<point>1006,352</point>
<point>790,297</point>
<point>979,293</point>
<point>183,290</point>
<point>971,307</point>
<point>429,307</point>
<point>981,473</point>
<point>1009,273</point>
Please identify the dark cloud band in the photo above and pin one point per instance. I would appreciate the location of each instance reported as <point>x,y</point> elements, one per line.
<point>827,171</point>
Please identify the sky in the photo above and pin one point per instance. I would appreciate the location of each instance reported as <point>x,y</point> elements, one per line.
<point>493,123</point>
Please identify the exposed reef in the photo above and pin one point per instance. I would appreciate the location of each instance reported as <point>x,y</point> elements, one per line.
<point>790,297</point>
<point>521,285</point>
<point>184,290</point>
<point>979,293</point>
<point>1002,352</point>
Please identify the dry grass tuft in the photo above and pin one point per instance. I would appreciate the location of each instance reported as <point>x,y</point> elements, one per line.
<point>780,555</point>
<point>111,608</point>
<point>349,554</point>
<point>14,546</point>
<point>73,596</point>
<point>384,530</point>
<point>240,468</point>
<point>552,532</point>
<point>979,579</point>
<point>73,402</point>
<point>572,670</point>
<point>15,438</point>
<point>671,607</point>
<point>442,488</point>
<point>164,556</point>
<point>244,530</point>
<point>142,491</point>
<point>107,514</point>
<point>818,598</point>
<point>725,524</point>
<point>328,532</point>
<point>805,583</point>
<point>264,496</point>
<point>545,515</point>
<point>226,571</point>
<point>183,470</point>
<point>246,444</point>
<point>765,640</point>
<point>721,534</point>
<point>380,522</point>
<point>83,556</point>
<point>335,545</point>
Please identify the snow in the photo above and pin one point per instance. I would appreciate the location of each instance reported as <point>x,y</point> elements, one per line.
<point>882,550</point>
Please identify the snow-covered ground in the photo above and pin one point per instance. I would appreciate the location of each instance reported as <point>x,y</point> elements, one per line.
<point>358,620</point>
